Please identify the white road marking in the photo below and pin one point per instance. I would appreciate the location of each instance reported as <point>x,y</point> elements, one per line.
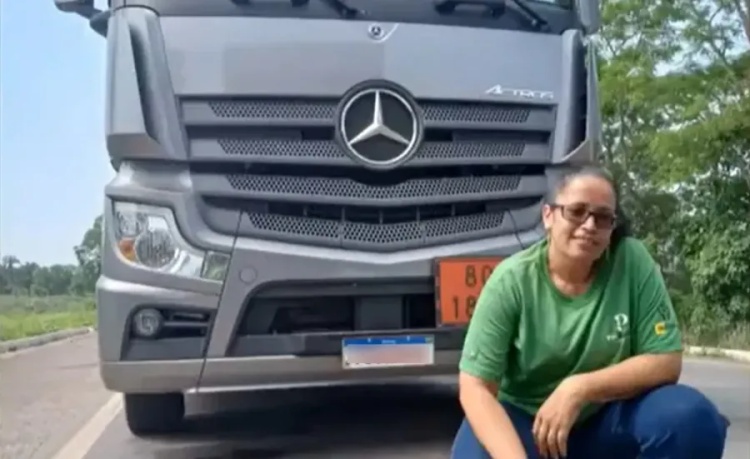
<point>82,442</point>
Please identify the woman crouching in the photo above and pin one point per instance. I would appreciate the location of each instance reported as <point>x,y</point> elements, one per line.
<point>577,339</point>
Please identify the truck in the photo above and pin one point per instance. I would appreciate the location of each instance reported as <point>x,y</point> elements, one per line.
<point>313,192</point>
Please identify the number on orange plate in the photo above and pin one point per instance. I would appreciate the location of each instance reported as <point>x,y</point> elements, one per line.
<point>459,282</point>
<point>464,307</point>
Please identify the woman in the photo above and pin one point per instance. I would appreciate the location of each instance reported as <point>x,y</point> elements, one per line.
<point>577,338</point>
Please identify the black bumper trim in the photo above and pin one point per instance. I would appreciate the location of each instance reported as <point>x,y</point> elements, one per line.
<point>329,344</point>
<point>165,349</point>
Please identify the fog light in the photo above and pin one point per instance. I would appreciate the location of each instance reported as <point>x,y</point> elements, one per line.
<point>147,323</point>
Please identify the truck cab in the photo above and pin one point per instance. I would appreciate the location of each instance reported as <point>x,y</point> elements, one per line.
<point>314,191</point>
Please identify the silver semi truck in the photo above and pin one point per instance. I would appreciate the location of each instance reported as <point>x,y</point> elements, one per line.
<point>313,191</point>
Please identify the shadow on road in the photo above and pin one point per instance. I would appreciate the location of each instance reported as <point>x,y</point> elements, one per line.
<point>405,420</point>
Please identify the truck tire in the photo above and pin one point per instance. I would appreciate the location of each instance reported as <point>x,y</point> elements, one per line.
<point>153,414</point>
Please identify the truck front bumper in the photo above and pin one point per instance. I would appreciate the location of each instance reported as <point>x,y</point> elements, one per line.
<point>226,359</point>
<point>246,373</point>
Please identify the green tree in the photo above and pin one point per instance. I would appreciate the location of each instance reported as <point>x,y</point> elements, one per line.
<point>23,277</point>
<point>7,268</point>
<point>31,279</point>
<point>88,253</point>
<point>676,107</point>
<point>53,280</point>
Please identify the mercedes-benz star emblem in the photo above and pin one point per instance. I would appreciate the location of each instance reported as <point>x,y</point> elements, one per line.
<point>380,127</point>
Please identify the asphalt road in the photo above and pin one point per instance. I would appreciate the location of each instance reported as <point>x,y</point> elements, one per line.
<point>49,394</point>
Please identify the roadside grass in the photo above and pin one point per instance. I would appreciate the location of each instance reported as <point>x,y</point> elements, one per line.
<point>26,316</point>
<point>735,336</point>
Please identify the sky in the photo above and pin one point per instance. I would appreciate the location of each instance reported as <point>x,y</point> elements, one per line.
<point>53,161</point>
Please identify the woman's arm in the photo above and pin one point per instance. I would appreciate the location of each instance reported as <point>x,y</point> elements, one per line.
<point>488,418</point>
<point>656,338</point>
<point>630,377</point>
<point>483,363</point>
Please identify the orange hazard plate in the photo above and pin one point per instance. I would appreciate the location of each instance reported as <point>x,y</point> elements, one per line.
<point>458,282</point>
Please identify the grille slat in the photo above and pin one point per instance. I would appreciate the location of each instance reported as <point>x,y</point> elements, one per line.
<point>324,109</point>
<point>312,112</point>
<point>274,109</point>
<point>373,236</point>
<point>475,113</point>
<point>329,153</point>
<point>346,191</point>
<point>478,174</point>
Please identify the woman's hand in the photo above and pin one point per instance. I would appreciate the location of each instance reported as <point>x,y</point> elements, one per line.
<point>555,418</point>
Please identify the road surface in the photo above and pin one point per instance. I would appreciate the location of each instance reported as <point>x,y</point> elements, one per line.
<point>51,398</point>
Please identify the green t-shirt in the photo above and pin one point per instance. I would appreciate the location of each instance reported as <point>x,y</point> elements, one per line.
<point>528,336</point>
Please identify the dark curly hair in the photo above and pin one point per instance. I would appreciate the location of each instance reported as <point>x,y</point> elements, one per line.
<point>622,226</point>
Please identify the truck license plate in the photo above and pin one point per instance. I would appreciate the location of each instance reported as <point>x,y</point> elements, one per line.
<point>387,351</point>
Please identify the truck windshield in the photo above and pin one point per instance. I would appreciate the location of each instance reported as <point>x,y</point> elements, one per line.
<point>548,16</point>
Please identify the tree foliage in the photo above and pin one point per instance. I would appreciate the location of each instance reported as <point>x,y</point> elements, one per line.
<point>31,279</point>
<point>675,81</point>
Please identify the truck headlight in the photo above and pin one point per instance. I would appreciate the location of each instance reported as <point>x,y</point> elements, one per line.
<point>147,236</point>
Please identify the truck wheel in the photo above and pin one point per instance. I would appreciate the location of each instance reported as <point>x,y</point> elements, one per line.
<point>149,414</point>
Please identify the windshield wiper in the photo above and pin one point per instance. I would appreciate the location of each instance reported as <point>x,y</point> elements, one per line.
<point>537,20</point>
<point>495,7</point>
<point>341,7</point>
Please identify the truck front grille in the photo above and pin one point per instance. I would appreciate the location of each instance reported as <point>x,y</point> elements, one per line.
<point>479,173</point>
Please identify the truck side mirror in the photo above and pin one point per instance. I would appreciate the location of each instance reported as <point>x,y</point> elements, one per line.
<point>98,19</point>
<point>590,15</point>
<point>83,8</point>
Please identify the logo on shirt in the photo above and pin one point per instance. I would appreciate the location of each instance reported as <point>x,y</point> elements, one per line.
<point>660,328</point>
<point>621,328</point>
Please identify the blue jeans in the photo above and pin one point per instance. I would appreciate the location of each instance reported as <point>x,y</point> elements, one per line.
<point>669,422</point>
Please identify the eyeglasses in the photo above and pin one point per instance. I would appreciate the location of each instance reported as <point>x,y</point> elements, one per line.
<point>579,213</point>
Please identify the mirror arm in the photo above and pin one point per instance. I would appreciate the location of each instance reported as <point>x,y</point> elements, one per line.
<point>85,11</point>
<point>589,15</point>
<point>98,19</point>
<point>99,22</point>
